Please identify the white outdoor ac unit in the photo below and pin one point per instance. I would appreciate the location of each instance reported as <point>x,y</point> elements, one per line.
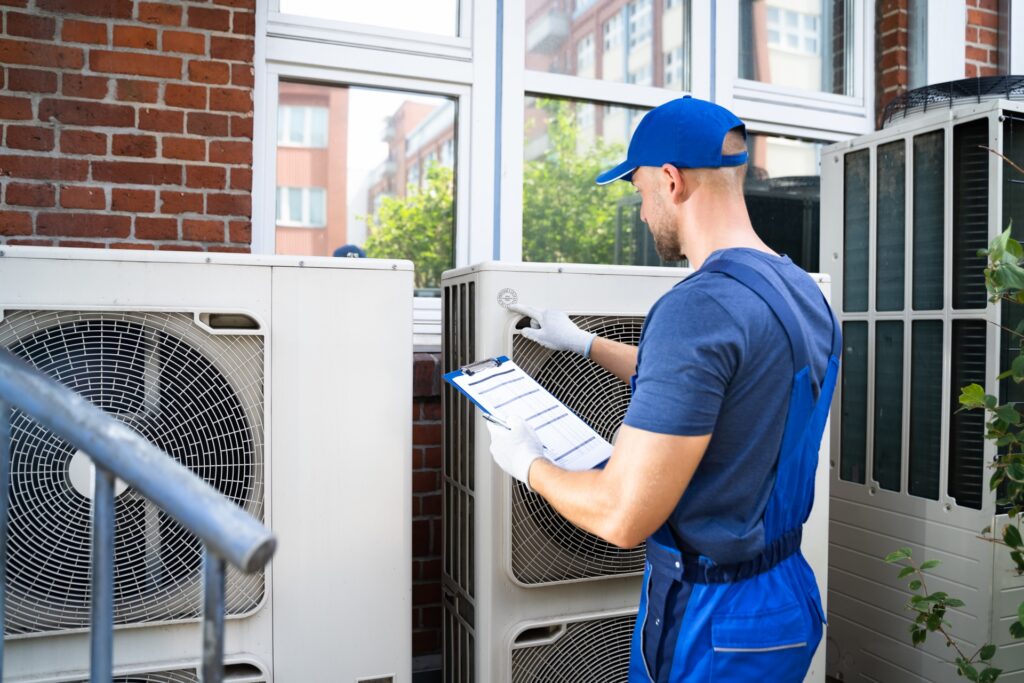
<point>283,382</point>
<point>529,597</point>
<point>904,212</point>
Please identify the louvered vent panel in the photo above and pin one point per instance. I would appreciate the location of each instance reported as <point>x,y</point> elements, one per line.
<point>587,652</point>
<point>197,397</point>
<point>967,428</point>
<point>545,547</point>
<point>970,212</point>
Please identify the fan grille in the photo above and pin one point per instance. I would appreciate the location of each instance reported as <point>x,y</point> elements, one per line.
<point>546,548</point>
<point>596,650</point>
<point>197,397</point>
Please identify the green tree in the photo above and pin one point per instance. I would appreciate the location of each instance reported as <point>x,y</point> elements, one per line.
<point>566,216</point>
<point>417,227</point>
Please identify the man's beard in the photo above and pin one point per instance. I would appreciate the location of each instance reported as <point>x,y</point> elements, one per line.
<point>666,242</point>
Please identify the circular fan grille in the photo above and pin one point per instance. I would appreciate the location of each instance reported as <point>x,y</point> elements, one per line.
<point>546,548</point>
<point>589,651</point>
<point>196,397</point>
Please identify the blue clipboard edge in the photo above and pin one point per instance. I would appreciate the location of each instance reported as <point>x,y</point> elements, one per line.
<point>450,378</point>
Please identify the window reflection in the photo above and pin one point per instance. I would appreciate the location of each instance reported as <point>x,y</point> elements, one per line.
<point>645,42</point>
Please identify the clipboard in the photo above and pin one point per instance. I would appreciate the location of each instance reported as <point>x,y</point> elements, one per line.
<point>501,389</point>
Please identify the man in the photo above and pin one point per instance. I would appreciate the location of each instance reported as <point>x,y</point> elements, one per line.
<point>714,464</point>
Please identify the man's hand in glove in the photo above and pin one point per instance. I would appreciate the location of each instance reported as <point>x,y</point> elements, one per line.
<point>553,329</point>
<point>515,449</point>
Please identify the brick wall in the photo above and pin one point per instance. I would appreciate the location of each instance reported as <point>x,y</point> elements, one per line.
<point>127,124</point>
<point>891,52</point>
<point>982,38</point>
<point>426,508</point>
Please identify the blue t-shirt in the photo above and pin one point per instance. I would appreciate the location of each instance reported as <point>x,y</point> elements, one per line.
<point>715,360</point>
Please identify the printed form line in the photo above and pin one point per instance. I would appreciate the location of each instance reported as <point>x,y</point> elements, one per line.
<point>499,386</point>
<point>497,374</point>
<point>575,448</point>
<point>516,398</point>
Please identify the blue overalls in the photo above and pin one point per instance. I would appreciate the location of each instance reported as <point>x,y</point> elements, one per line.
<point>761,619</point>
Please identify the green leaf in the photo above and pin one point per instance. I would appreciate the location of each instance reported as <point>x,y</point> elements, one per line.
<point>1020,612</point>
<point>989,675</point>
<point>972,396</point>
<point>987,652</point>
<point>906,571</point>
<point>918,636</point>
<point>1015,471</point>
<point>1017,630</point>
<point>914,585</point>
<point>1008,414</point>
<point>1017,368</point>
<point>1011,536</point>
<point>954,602</point>
<point>990,401</point>
<point>1013,275</point>
<point>897,555</point>
<point>930,564</point>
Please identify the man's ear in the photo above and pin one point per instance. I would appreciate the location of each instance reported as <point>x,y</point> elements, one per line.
<point>675,182</point>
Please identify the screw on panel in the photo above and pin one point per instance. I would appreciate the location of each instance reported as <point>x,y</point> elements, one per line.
<point>302,264</point>
<point>208,259</point>
<point>394,266</point>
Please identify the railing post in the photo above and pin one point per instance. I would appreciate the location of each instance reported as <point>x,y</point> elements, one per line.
<point>213,617</point>
<point>5,475</point>
<point>101,651</point>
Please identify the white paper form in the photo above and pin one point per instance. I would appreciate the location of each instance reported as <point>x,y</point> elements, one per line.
<point>505,390</point>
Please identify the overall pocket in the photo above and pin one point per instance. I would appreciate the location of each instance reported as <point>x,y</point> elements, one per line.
<point>770,645</point>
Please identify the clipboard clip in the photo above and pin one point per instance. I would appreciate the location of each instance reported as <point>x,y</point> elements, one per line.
<point>480,365</point>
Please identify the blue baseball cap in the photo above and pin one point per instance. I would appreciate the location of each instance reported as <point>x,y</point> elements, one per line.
<point>687,133</point>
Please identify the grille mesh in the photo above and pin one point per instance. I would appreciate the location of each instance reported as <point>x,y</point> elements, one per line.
<point>199,398</point>
<point>588,651</point>
<point>546,548</point>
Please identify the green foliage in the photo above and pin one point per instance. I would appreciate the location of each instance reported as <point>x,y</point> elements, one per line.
<point>567,218</point>
<point>417,227</point>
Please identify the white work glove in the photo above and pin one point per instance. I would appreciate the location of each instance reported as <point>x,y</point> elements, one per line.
<point>515,449</point>
<point>553,330</point>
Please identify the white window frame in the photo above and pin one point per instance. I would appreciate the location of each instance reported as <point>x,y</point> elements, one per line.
<point>307,127</point>
<point>283,203</point>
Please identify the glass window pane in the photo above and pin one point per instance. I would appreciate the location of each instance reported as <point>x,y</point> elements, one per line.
<point>783,189</point>
<point>929,203</point>
<point>426,16</point>
<point>970,213</point>
<point>888,440</point>
<point>891,226</point>
<point>611,40</point>
<point>925,408</point>
<point>349,185</point>
<point>804,48</point>
<point>967,475</point>
<point>853,434</point>
<point>855,230</point>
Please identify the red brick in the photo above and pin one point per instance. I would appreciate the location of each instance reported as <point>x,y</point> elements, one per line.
<point>897,21</point>
<point>136,64</point>
<point>211,125</point>
<point>74,31</point>
<point>30,243</point>
<point>243,75</point>
<point>132,245</point>
<point>81,244</point>
<point>425,481</point>
<point>209,72</point>
<point>431,456</point>
<point>136,201</point>
<point>137,91</point>
<point>240,231</point>
<point>180,41</point>
<point>82,142</point>
<point>241,127</point>
<point>32,80</point>
<point>67,224</point>
<point>228,152</point>
<point>988,70</point>
<point>181,202</point>
<point>78,197</point>
<point>21,194</point>
<point>231,99</point>
<point>30,137</point>
<point>18,108</point>
<point>420,537</point>
<point>161,120</point>
<point>202,231</point>
<point>73,112</point>
<point>972,34</point>
<point>245,4</point>
<point>895,58</point>
<point>426,434</point>
<point>241,179</point>
<point>178,247</point>
<point>976,54</point>
<point>229,204</point>
<point>40,54</point>
<point>209,19</point>
<point>207,177</point>
<point>112,9</point>
<point>990,5</point>
<point>91,87</point>
<point>156,228</point>
<point>234,49</point>
<point>133,146</point>
<point>43,168</point>
<point>976,17</point>
<point>229,250</point>
<point>135,37</point>
<point>426,642</point>
<point>184,148</point>
<point>431,505</point>
<point>30,26</point>
<point>186,96</point>
<point>14,3</point>
<point>136,172</point>
<point>15,223</point>
<point>970,70</point>
<point>986,37</point>
<point>160,13</point>
<point>244,23</point>
<point>431,410</point>
<point>426,593</point>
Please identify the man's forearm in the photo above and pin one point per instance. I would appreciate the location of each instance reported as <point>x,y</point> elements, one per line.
<point>615,357</point>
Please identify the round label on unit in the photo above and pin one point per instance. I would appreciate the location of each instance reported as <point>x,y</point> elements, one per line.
<point>507,297</point>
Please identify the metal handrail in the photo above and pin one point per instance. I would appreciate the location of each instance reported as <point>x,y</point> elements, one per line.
<point>228,533</point>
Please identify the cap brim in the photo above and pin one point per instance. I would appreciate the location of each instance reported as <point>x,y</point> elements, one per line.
<point>623,171</point>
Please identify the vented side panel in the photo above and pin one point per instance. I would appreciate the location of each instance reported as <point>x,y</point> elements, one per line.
<point>546,548</point>
<point>587,652</point>
<point>197,397</point>
<point>967,428</point>
<point>970,213</point>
